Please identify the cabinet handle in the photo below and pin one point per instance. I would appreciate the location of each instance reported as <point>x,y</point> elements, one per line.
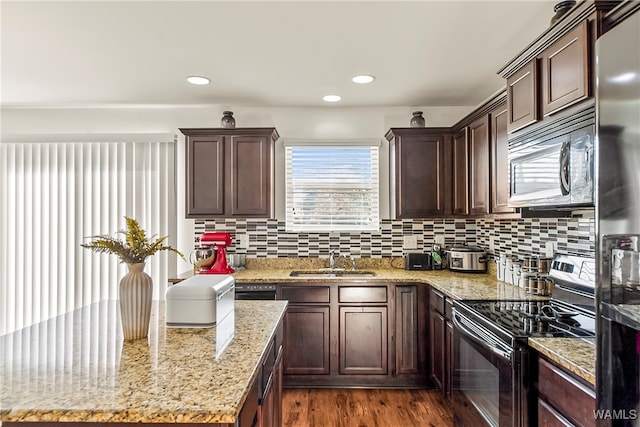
<point>565,185</point>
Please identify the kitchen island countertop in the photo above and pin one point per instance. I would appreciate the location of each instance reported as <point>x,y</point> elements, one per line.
<point>76,367</point>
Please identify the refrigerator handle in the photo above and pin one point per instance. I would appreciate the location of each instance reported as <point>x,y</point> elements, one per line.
<point>565,185</point>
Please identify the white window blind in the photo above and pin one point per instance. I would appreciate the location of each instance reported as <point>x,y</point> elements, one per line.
<point>53,195</point>
<point>332,188</point>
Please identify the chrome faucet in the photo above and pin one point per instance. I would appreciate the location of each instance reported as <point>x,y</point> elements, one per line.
<point>334,257</point>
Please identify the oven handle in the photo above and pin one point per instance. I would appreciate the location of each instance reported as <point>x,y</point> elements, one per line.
<point>486,338</point>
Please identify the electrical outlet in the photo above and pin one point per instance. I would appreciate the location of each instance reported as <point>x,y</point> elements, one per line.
<point>242,241</point>
<point>550,249</point>
<point>410,242</point>
<point>492,243</point>
<point>439,239</point>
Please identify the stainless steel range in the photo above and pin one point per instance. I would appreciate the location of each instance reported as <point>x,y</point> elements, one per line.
<point>491,357</point>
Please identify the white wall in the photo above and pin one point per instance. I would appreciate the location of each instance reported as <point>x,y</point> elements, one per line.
<point>136,123</point>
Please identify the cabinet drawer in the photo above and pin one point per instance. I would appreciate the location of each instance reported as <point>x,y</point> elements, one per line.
<point>574,400</point>
<point>364,294</point>
<point>436,301</point>
<point>549,417</point>
<point>293,294</point>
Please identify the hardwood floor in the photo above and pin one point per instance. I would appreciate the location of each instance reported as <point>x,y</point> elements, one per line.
<point>364,408</point>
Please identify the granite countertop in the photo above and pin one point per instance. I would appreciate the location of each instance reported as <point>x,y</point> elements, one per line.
<point>576,354</point>
<point>76,367</point>
<point>458,286</point>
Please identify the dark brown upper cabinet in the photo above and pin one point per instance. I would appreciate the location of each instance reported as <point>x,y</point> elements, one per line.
<point>555,79</point>
<point>479,171</point>
<point>522,97</point>
<point>461,172</point>
<point>419,172</point>
<point>565,71</point>
<point>229,172</point>
<point>554,71</point>
<point>499,161</point>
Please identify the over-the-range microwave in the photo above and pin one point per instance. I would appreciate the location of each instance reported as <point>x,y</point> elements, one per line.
<point>555,168</point>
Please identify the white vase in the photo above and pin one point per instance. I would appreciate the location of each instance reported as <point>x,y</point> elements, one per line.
<point>135,295</point>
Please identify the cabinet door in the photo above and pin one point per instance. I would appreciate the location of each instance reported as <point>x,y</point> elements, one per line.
<point>306,340</point>
<point>407,325</point>
<point>448,358</point>
<point>460,173</point>
<point>499,162</point>
<point>565,78</point>
<point>249,176</point>
<point>277,388</point>
<point>479,166</point>
<point>363,341</point>
<point>420,187</point>
<point>438,348</point>
<point>205,175</point>
<point>522,97</point>
<point>566,394</point>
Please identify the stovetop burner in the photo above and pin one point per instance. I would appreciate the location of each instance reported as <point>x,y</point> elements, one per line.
<point>535,318</point>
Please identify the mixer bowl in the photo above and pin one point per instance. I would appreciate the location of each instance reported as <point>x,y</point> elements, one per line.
<point>203,258</point>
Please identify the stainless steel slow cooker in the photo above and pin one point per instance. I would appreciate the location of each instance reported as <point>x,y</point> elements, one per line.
<point>469,259</point>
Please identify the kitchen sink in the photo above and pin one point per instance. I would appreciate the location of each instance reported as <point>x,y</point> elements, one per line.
<point>328,274</point>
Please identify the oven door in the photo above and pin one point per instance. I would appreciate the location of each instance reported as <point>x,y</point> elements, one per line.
<point>488,383</point>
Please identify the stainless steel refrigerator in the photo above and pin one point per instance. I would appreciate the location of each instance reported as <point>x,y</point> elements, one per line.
<point>618,224</point>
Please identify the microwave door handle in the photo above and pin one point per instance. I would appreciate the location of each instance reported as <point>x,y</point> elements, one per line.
<point>565,185</point>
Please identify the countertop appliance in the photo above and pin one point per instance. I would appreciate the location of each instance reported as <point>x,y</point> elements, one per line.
<point>553,167</point>
<point>220,241</point>
<point>618,222</point>
<point>491,368</point>
<point>468,259</point>
<point>418,261</point>
<point>201,301</point>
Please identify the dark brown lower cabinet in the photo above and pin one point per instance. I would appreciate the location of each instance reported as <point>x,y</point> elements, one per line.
<point>563,398</point>
<point>363,340</point>
<point>409,304</point>
<point>270,409</point>
<point>437,345</point>
<point>441,341</point>
<point>344,334</point>
<point>271,404</point>
<point>306,331</point>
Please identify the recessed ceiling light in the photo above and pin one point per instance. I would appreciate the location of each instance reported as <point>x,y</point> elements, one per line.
<point>364,78</point>
<point>198,80</point>
<point>331,98</point>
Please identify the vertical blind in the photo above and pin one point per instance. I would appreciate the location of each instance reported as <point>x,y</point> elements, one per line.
<point>54,195</point>
<point>332,188</point>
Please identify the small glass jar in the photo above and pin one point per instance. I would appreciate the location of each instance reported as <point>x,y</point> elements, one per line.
<point>227,121</point>
<point>417,121</point>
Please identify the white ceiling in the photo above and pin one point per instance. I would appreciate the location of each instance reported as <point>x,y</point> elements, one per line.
<point>260,53</point>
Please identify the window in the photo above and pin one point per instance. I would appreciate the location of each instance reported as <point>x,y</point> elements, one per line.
<point>332,187</point>
<point>55,194</point>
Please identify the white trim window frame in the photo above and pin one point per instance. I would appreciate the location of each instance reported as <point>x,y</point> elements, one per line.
<point>332,186</point>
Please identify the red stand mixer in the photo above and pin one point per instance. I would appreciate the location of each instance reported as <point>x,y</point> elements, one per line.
<point>209,262</point>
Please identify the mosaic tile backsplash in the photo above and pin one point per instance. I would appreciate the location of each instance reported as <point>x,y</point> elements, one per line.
<point>519,237</point>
